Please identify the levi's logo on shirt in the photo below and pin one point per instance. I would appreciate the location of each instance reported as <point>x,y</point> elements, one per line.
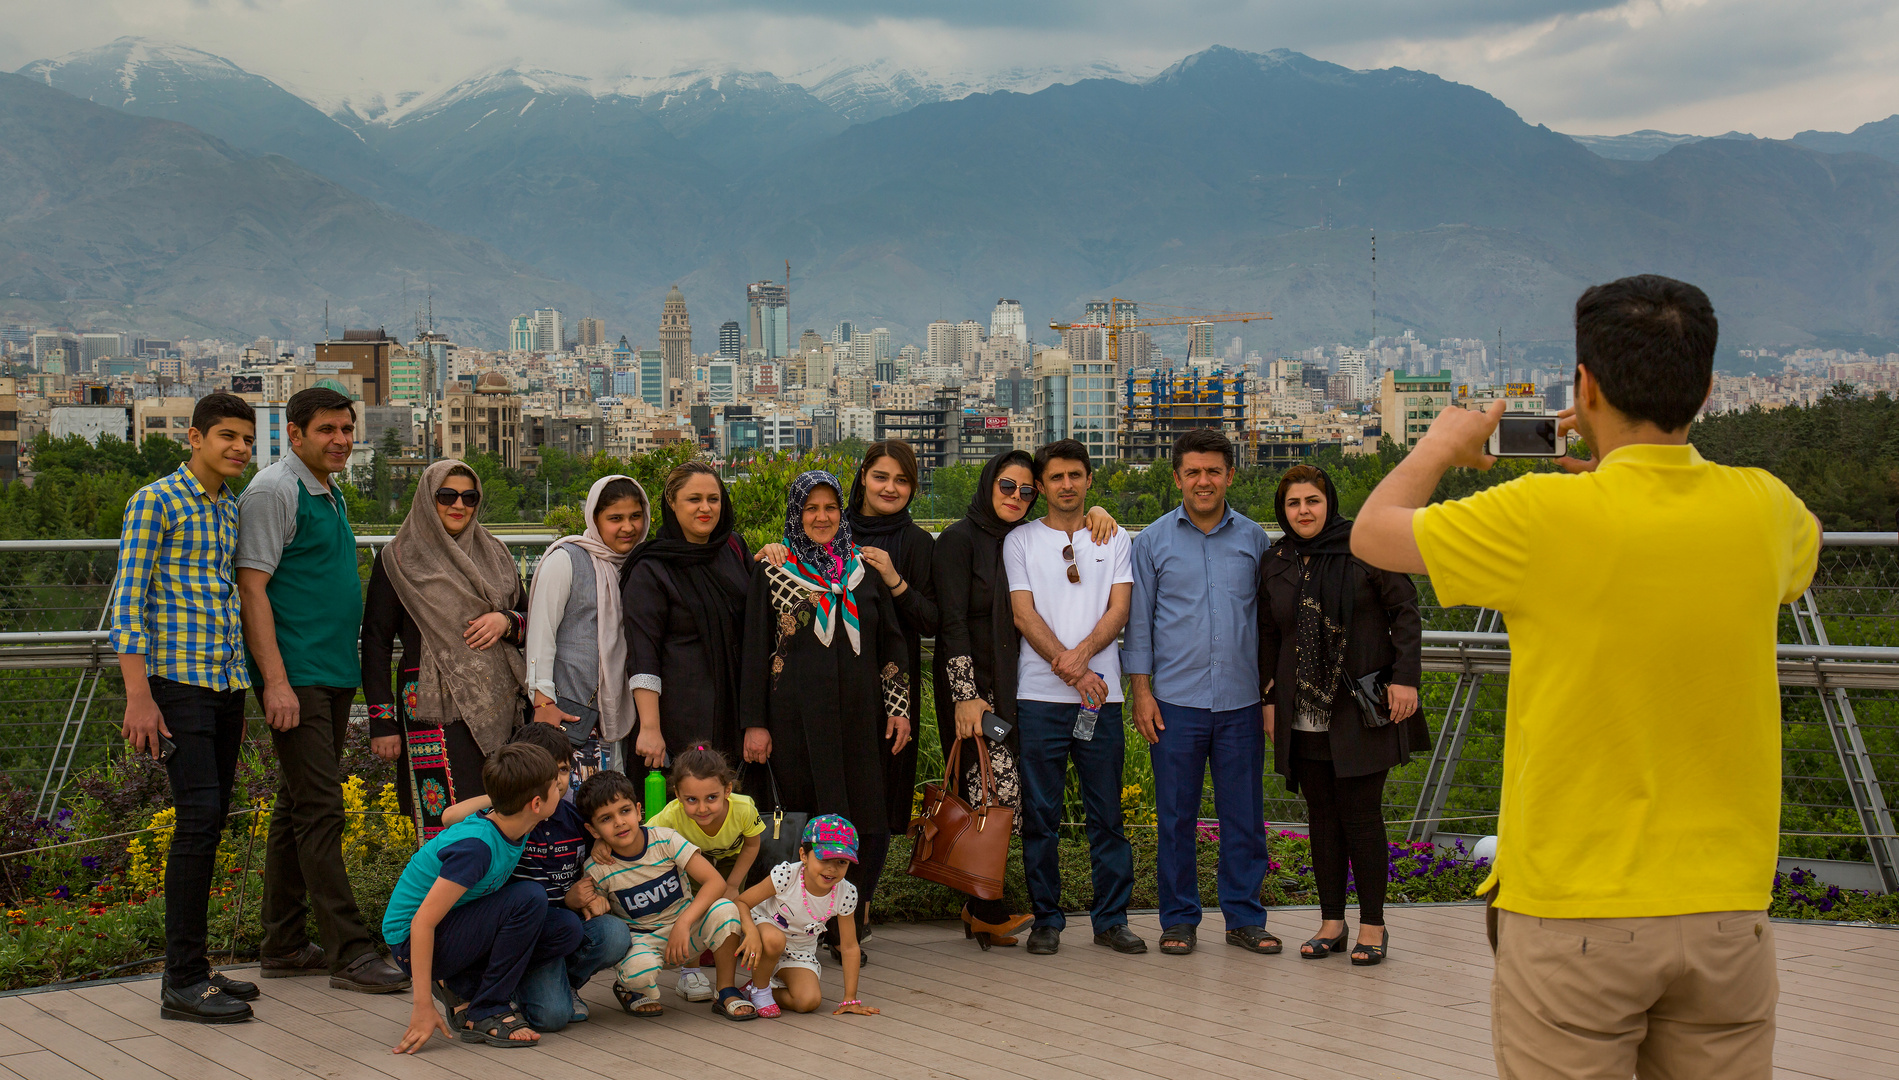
<point>652,897</point>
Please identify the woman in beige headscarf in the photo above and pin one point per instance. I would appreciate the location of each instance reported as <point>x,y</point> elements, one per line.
<point>448,590</point>
<point>576,646</point>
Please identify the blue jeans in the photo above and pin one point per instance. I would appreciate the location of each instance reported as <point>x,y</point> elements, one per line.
<point>1234,743</point>
<point>483,948</point>
<point>547,991</point>
<point>1048,742</point>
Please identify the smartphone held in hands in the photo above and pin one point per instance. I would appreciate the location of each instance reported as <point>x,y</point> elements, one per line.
<point>1527,435</point>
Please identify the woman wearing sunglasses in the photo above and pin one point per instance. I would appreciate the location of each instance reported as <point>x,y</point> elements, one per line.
<point>449,592</point>
<point>977,646</point>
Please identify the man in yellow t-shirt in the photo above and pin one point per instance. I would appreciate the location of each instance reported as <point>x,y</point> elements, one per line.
<point>1640,809</point>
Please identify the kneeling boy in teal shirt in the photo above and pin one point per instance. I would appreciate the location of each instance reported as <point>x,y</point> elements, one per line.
<point>456,923</point>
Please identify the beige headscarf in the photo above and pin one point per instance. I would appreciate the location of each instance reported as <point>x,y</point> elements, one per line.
<point>444,582</point>
<point>615,703</point>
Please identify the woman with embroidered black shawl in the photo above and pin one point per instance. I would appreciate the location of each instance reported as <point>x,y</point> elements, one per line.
<point>824,692</point>
<point>1325,620</point>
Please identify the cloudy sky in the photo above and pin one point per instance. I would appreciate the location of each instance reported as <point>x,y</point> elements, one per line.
<point>1771,67</point>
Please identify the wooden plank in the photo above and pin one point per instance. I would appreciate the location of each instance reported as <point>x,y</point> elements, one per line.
<point>95,1056</point>
<point>45,1065</point>
<point>76,1011</point>
<point>174,1060</point>
<point>215,1042</point>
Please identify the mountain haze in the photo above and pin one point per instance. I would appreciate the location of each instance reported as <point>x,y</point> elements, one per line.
<point>1231,180</point>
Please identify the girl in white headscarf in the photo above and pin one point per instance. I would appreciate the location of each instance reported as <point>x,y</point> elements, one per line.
<point>576,645</point>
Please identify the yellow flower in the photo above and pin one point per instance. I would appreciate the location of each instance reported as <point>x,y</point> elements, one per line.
<point>147,872</point>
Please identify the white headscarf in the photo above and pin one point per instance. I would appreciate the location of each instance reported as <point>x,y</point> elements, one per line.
<point>615,704</point>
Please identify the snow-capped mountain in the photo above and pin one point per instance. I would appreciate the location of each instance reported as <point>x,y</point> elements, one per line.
<point>862,91</point>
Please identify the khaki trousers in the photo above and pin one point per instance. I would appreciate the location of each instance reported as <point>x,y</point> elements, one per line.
<point>1678,997</point>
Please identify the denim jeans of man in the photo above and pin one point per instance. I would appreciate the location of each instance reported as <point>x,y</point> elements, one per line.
<point>1048,744</point>
<point>207,726</point>
<point>484,948</point>
<point>1233,742</point>
<point>547,991</point>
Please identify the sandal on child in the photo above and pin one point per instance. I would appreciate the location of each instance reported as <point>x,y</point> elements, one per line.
<point>731,1000</point>
<point>635,1004</point>
<point>454,1009</point>
<point>498,1031</point>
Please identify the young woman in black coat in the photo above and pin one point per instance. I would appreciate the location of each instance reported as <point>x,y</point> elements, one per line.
<point>1325,620</point>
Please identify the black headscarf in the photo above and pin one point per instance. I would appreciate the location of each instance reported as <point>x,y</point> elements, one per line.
<point>1322,625</point>
<point>715,600</point>
<point>986,558</point>
<point>885,531</point>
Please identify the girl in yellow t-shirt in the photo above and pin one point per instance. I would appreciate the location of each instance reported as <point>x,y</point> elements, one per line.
<point>725,827</point>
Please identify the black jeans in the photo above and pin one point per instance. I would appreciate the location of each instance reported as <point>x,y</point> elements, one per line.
<point>1346,819</point>
<point>208,728</point>
<point>304,857</point>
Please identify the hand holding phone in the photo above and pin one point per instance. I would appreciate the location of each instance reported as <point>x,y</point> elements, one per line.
<point>1527,435</point>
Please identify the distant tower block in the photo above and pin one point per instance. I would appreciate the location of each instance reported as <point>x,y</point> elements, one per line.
<point>675,336</point>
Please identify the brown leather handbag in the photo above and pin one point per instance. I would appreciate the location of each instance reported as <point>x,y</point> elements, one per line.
<point>954,844</point>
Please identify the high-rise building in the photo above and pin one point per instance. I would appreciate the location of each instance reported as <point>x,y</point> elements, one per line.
<point>488,420</point>
<point>1075,400</point>
<point>769,305</point>
<point>547,331</point>
<point>1006,321</point>
<point>653,384</point>
<point>1408,403</point>
<point>440,352</point>
<point>623,355</point>
<point>593,331</point>
<point>1353,368</point>
<point>364,354</point>
<point>842,334</point>
<point>675,334</point>
<point>1200,341</point>
<point>810,342</point>
<point>722,382</point>
<point>951,345</point>
<point>521,334</point>
<point>731,339</point>
<point>96,347</point>
<point>1101,311</point>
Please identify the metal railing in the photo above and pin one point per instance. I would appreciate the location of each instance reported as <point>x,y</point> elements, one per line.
<point>1838,664</point>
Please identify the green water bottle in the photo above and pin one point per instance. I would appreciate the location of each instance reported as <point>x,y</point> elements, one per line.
<point>655,793</point>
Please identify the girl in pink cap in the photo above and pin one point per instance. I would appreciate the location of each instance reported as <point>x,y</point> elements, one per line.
<point>791,908</point>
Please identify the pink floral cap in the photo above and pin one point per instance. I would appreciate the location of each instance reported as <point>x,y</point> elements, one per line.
<point>831,837</point>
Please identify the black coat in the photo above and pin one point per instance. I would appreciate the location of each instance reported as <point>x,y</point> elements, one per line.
<point>916,613</point>
<point>1386,630</point>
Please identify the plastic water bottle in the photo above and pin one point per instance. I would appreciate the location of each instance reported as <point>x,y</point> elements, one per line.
<point>1085,719</point>
<point>655,793</point>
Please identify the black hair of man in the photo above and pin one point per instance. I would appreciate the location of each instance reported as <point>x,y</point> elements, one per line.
<point>601,790</point>
<point>212,408</point>
<point>1648,341</point>
<point>549,738</point>
<point>1065,449</point>
<point>515,774</point>
<point>304,405</point>
<point>1203,441</point>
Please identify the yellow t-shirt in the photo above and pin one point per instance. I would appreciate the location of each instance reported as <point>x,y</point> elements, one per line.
<point>1641,758</point>
<point>741,821</point>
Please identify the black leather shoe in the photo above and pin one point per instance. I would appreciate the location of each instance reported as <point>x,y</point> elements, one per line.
<point>1044,941</point>
<point>371,974</point>
<point>1122,940</point>
<point>308,960</point>
<point>201,1003</point>
<point>237,988</point>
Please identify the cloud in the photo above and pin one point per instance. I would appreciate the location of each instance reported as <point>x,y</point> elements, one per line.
<point>1592,66</point>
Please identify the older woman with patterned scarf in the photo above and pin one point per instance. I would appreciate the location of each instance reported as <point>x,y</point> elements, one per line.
<point>448,591</point>
<point>824,688</point>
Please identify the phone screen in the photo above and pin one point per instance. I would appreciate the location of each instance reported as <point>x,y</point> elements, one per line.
<point>1527,436</point>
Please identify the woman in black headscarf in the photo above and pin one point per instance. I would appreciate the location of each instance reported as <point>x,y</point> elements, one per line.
<point>823,690</point>
<point>683,594</point>
<point>900,553</point>
<point>1327,619</point>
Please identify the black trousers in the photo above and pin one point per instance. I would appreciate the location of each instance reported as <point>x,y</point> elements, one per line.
<point>1347,823</point>
<point>303,861</point>
<point>208,728</point>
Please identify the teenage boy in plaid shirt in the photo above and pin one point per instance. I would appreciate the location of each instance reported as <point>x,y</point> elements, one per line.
<point>181,651</point>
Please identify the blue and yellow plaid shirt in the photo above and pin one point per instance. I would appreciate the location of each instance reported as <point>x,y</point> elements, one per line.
<point>176,603</point>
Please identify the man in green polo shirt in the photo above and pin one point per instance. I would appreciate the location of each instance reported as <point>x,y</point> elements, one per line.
<point>302,606</point>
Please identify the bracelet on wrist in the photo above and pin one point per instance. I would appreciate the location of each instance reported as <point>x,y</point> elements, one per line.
<point>853,1001</point>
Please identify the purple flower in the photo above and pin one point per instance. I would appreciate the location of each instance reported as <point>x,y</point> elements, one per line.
<point>90,862</point>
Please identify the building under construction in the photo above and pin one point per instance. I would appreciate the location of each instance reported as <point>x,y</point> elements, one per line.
<point>1160,406</point>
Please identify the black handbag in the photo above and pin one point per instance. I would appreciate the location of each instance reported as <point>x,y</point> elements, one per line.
<point>1373,703</point>
<point>784,832</point>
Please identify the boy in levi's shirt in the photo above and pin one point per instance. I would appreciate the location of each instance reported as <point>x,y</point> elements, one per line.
<point>647,876</point>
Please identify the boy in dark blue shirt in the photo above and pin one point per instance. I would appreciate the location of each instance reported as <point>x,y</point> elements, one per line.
<point>553,857</point>
<point>461,928</point>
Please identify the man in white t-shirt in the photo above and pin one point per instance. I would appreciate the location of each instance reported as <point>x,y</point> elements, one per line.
<point>1071,597</point>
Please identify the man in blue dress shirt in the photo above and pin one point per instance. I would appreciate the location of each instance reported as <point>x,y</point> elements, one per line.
<point>1196,699</point>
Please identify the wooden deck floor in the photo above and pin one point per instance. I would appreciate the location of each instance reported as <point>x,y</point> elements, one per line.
<point>951,1011</point>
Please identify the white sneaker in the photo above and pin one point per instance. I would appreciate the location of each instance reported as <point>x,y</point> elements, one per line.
<point>694,985</point>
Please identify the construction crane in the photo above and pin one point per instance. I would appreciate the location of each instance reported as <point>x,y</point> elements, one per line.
<point>1145,412</point>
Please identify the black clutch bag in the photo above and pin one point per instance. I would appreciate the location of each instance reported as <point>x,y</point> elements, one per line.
<point>1369,691</point>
